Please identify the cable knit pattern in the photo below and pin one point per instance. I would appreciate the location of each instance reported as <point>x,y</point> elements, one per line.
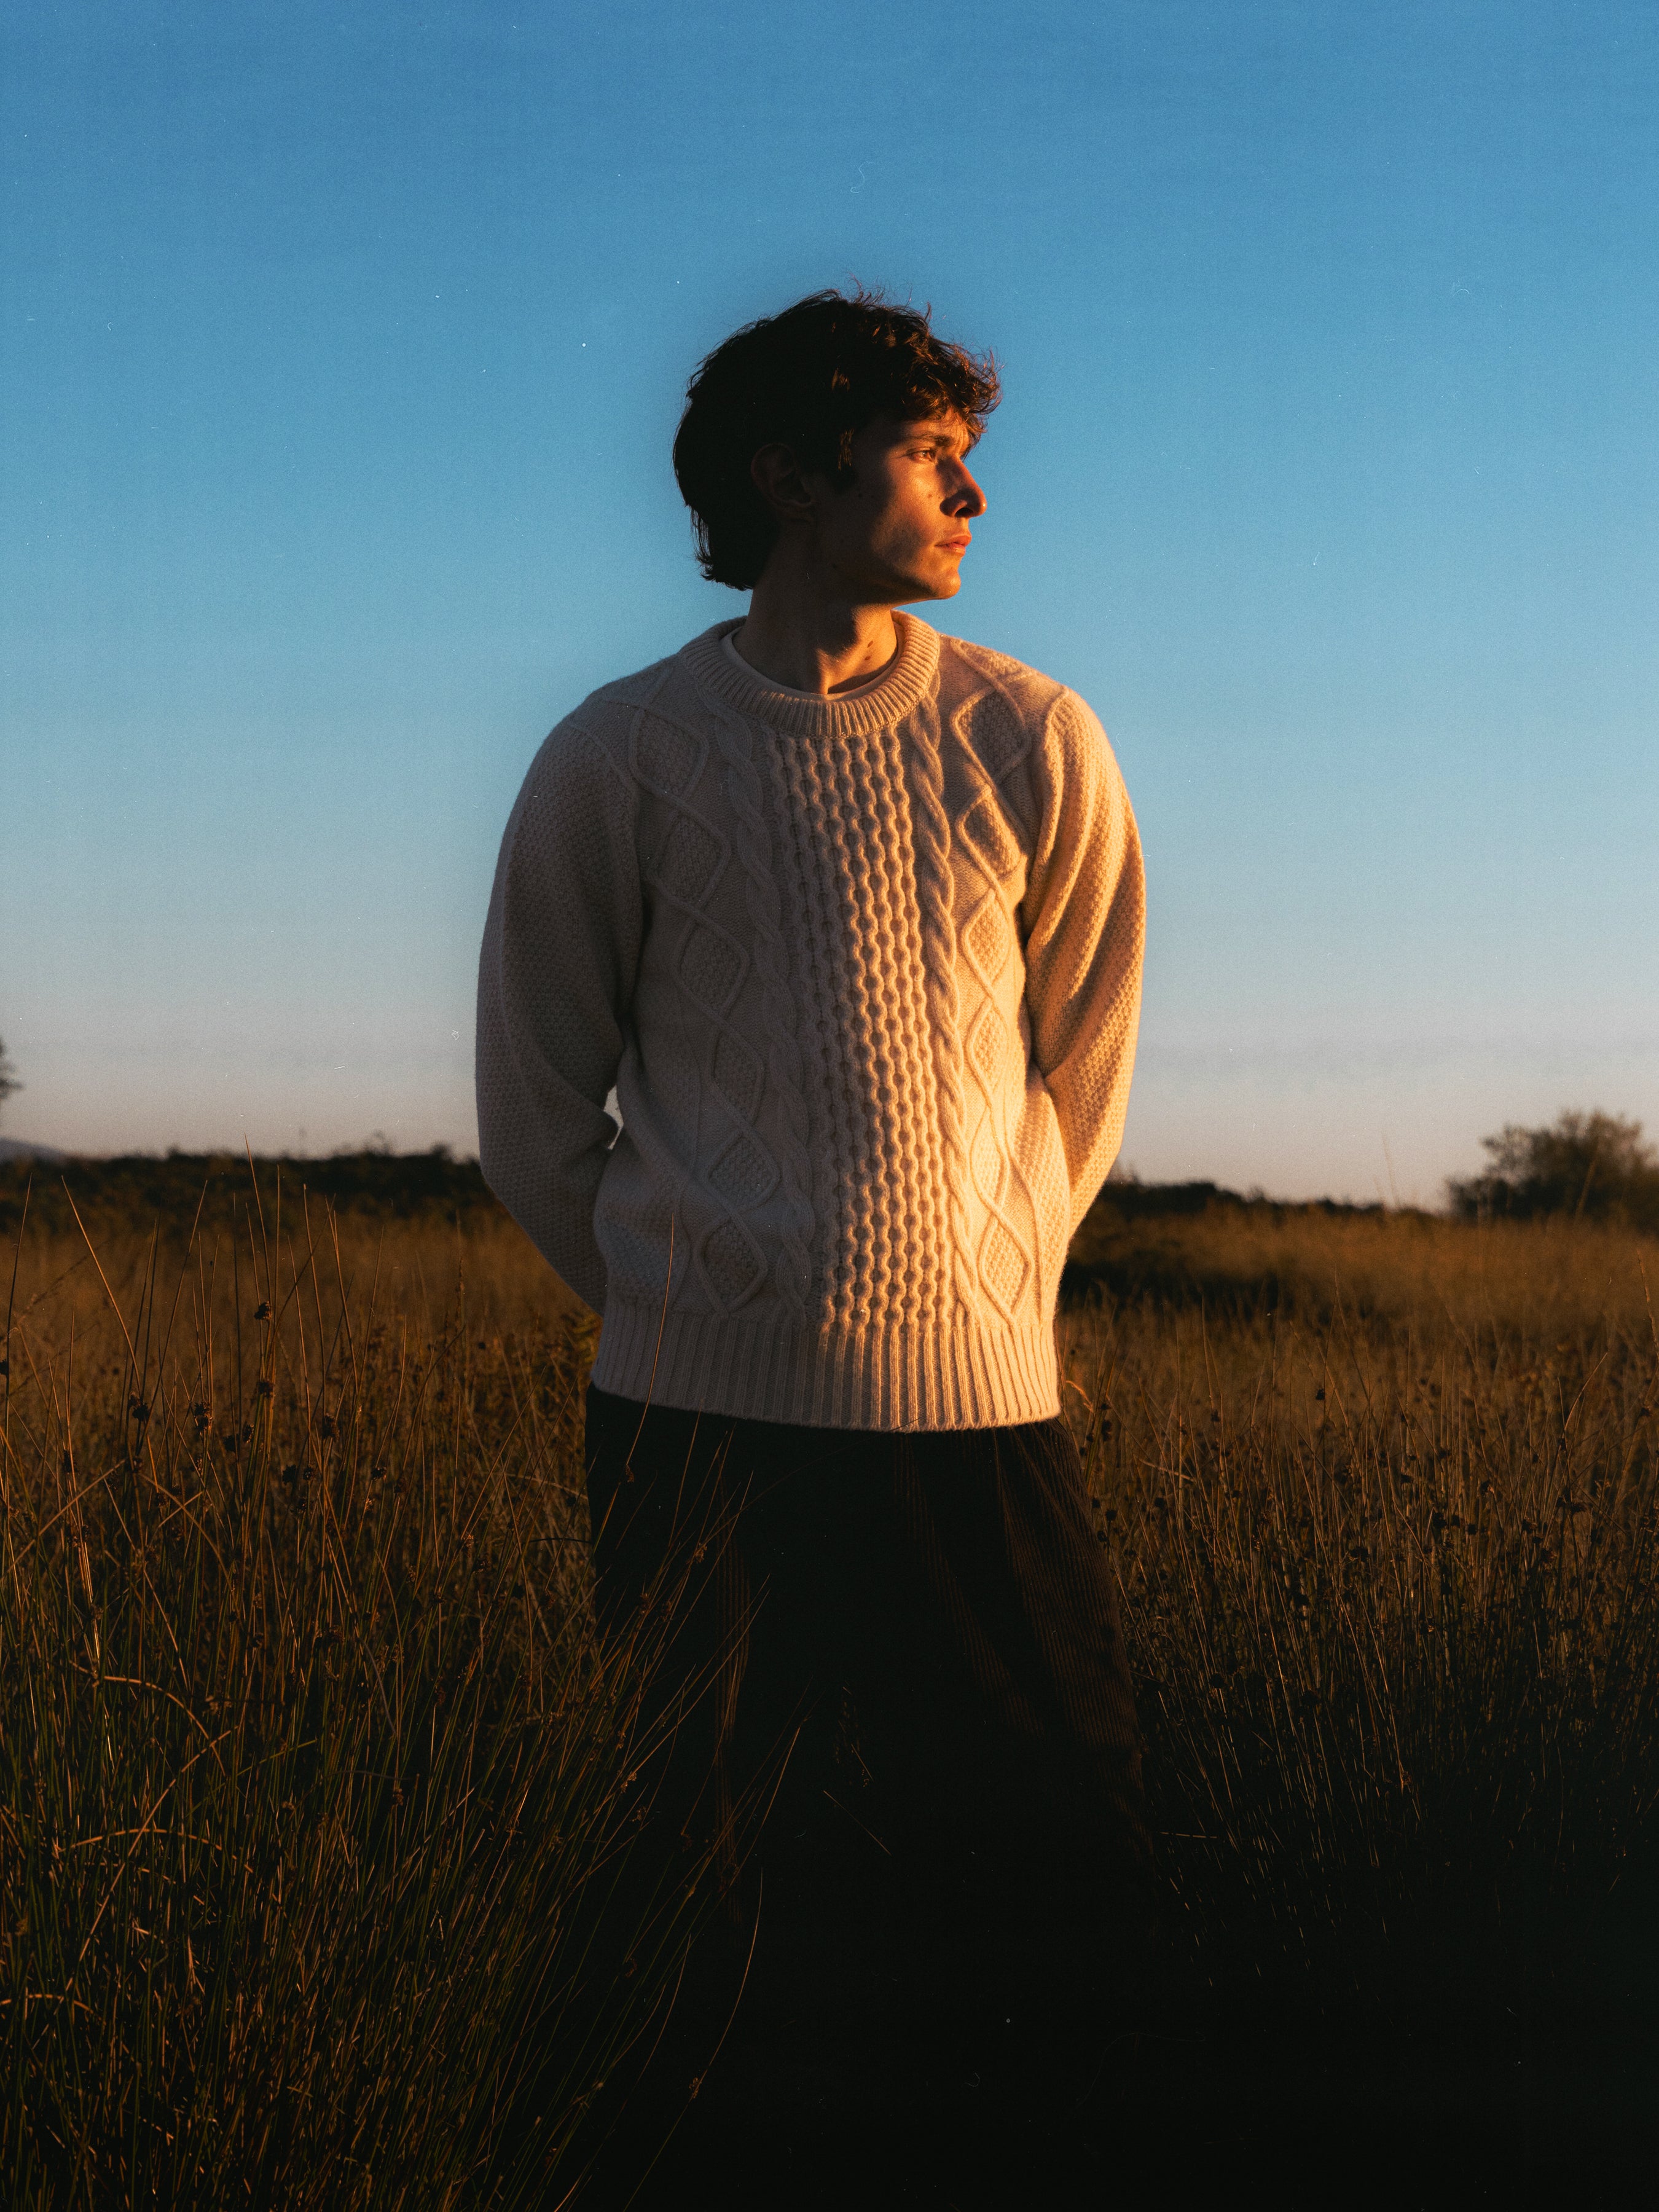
<point>992,736</point>
<point>936,894</point>
<point>865,974</point>
<point>783,1054</point>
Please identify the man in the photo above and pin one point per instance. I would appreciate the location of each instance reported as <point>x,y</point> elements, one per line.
<point>850,914</point>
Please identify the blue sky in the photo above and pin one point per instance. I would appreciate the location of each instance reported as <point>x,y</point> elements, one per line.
<point>342,349</point>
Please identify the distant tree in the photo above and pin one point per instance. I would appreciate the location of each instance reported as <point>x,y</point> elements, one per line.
<point>9,1077</point>
<point>1592,1166</point>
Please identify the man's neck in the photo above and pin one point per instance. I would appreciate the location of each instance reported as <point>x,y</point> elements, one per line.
<point>811,645</point>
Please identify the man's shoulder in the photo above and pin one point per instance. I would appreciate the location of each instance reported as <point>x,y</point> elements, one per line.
<point>610,703</point>
<point>965,667</point>
<point>643,737</point>
<point>979,685</point>
<point>607,724</point>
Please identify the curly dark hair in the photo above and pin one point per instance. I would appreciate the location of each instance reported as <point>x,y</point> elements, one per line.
<point>810,378</point>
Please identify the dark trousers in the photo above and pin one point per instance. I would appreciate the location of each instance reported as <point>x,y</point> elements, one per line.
<point>903,1651</point>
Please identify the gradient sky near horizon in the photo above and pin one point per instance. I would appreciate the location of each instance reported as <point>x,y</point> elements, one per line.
<point>342,348</point>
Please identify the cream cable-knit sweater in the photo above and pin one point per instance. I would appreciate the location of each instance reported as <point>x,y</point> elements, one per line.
<point>865,974</point>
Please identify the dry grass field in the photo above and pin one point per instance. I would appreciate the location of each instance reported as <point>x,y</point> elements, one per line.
<point>308,1771</point>
<point>310,1774</point>
<point>1384,1502</point>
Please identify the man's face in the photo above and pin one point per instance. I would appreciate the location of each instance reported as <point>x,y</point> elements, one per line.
<point>899,532</point>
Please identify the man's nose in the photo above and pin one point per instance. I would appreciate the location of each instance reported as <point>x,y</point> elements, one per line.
<point>967,500</point>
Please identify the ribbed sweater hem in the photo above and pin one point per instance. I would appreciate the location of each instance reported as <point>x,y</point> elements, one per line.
<point>969,1377</point>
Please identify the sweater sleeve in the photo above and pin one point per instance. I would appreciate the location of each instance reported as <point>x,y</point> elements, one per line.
<point>560,949</point>
<point>1085,917</point>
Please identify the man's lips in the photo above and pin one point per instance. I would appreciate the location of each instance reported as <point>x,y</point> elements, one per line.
<point>956,544</point>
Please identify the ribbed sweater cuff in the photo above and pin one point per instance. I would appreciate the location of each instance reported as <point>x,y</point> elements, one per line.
<point>970,1378</point>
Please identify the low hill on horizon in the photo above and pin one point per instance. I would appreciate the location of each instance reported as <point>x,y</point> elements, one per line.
<point>20,1148</point>
<point>134,1191</point>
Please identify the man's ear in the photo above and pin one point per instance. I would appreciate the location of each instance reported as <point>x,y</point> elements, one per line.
<point>782,482</point>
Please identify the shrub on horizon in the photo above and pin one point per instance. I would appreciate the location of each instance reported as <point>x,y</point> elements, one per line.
<point>1592,1166</point>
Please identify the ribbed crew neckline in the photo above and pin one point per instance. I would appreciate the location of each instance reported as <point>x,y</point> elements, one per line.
<point>855,714</point>
<point>729,647</point>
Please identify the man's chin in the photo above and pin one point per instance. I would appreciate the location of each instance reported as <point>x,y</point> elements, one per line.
<point>930,588</point>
